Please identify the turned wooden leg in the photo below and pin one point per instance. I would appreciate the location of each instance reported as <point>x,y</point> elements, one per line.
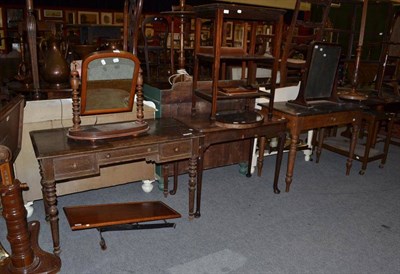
<point>353,144</point>
<point>260,158</point>
<point>371,124</point>
<point>49,189</point>
<point>192,184</point>
<point>291,160</point>
<point>199,181</point>
<point>279,156</point>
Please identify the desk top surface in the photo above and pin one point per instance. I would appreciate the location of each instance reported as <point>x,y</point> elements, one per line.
<point>203,124</point>
<point>54,142</point>
<point>317,109</point>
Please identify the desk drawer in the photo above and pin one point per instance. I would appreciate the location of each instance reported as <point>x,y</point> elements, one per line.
<point>75,166</point>
<point>332,119</point>
<point>170,151</point>
<point>126,154</point>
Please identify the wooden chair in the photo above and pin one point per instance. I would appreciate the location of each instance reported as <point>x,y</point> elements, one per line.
<point>132,13</point>
<point>299,35</point>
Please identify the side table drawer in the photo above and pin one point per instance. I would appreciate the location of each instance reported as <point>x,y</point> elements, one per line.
<point>170,151</point>
<point>75,166</point>
<point>126,154</point>
<point>333,120</point>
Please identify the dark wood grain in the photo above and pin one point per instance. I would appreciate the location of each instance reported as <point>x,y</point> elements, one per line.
<point>102,215</point>
<point>61,158</point>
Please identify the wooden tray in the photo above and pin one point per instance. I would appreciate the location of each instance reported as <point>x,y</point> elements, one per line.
<point>102,215</point>
<point>241,90</point>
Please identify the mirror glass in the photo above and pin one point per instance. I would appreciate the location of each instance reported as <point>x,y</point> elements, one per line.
<point>322,72</point>
<point>108,82</point>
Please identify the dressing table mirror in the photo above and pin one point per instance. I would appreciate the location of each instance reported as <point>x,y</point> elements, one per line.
<point>319,80</point>
<point>109,82</point>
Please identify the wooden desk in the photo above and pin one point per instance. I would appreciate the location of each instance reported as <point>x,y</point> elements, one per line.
<point>213,135</point>
<point>60,158</point>
<point>301,119</point>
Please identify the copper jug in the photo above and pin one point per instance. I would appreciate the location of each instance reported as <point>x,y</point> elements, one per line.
<point>55,70</point>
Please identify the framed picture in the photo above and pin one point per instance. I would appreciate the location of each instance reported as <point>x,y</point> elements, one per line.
<point>38,14</point>
<point>88,17</point>
<point>118,18</point>
<point>2,41</point>
<point>53,13</point>
<point>70,17</point>
<point>1,17</point>
<point>106,18</point>
<point>239,32</point>
<point>205,34</point>
<point>14,16</point>
<point>229,30</point>
<point>259,30</point>
<point>149,32</point>
<point>192,24</point>
<point>267,29</point>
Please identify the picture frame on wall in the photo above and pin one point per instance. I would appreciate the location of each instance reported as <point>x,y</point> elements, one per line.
<point>192,24</point>
<point>204,35</point>
<point>259,30</point>
<point>1,17</point>
<point>70,17</point>
<point>2,41</point>
<point>38,14</point>
<point>239,32</point>
<point>14,16</point>
<point>267,29</point>
<point>88,17</point>
<point>149,32</point>
<point>106,18</point>
<point>118,18</point>
<point>238,35</point>
<point>53,13</point>
<point>229,30</point>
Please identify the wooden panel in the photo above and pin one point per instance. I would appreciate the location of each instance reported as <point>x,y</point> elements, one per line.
<point>92,216</point>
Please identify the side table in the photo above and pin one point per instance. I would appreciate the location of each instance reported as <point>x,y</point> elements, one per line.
<point>301,118</point>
